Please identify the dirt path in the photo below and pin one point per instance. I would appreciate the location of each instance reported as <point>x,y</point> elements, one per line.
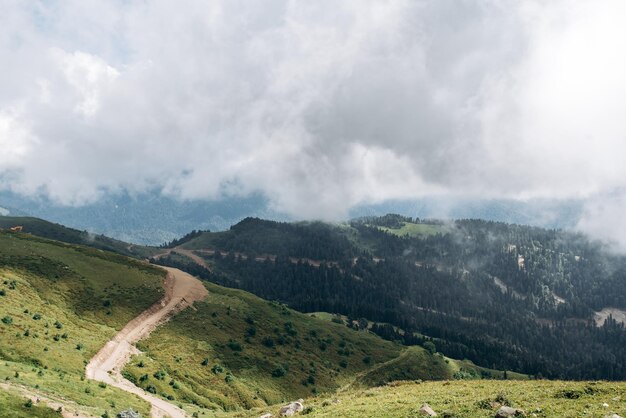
<point>181,291</point>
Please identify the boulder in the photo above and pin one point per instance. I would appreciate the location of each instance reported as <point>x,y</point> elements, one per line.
<point>426,410</point>
<point>507,411</point>
<point>267,416</point>
<point>291,408</point>
<point>129,413</point>
<point>612,416</point>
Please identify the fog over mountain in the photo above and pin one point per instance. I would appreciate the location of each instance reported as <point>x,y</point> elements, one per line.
<point>318,108</point>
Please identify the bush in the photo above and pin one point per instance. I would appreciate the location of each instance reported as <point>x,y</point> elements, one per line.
<point>268,342</point>
<point>279,372</point>
<point>37,316</point>
<point>430,347</point>
<point>217,369</point>
<point>7,320</point>
<point>234,345</point>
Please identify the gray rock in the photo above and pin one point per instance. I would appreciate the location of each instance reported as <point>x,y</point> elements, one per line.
<point>507,411</point>
<point>291,409</point>
<point>612,416</point>
<point>427,411</point>
<point>267,416</point>
<point>129,413</point>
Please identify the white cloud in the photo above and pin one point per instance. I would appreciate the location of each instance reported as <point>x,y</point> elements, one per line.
<point>318,105</point>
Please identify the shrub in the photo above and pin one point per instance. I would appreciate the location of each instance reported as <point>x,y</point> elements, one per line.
<point>37,316</point>
<point>279,372</point>
<point>234,345</point>
<point>268,342</point>
<point>430,347</point>
<point>217,369</point>
<point>7,320</point>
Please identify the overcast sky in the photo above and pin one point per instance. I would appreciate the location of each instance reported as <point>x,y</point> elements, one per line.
<point>320,105</point>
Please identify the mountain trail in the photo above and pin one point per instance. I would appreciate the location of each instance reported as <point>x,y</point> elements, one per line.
<point>181,291</point>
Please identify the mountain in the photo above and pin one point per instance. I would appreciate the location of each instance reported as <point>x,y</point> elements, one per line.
<point>45,229</point>
<point>151,218</point>
<point>60,302</point>
<point>532,300</point>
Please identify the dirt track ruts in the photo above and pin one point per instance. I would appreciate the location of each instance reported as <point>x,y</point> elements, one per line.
<point>181,291</point>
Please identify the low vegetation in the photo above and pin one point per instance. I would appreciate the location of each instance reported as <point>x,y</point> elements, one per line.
<point>469,399</point>
<point>237,351</point>
<point>60,303</point>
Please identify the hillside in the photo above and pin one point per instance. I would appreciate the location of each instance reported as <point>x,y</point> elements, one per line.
<point>45,229</point>
<point>505,296</point>
<point>465,399</point>
<point>239,351</point>
<point>59,304</point>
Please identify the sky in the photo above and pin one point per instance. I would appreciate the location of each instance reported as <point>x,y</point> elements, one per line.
<point>319,106</point>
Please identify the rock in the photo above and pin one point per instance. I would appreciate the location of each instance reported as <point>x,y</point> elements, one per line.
<point>612,416</point>
<point>292,408</point>
<point>129,413</point>
<point>267,416</point>
<point>507,411</point>
<point>605,405</point>
<point>427,410</point>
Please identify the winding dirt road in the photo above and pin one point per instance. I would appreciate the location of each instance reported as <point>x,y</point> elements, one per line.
<point>181,291</point>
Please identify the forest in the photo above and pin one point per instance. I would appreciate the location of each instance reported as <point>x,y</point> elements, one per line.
<point>505,296</point>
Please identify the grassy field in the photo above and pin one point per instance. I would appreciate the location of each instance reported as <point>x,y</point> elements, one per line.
<point>59,304</point>
<point>238,351</point>
<point>13,406</point>
<point>469,399</point>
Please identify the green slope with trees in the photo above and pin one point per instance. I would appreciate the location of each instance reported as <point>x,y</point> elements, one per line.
<point>505,296</point>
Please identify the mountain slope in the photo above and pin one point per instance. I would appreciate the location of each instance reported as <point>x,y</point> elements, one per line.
<point>45,229</point>
<point>505,296</point>
<point>236,350</point>
<point>59,303</point>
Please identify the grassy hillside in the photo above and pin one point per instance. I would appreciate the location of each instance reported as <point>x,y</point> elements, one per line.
<point>505,296</point>
<point>239,351</point>
<point>57,232</point>
<point>13,406</point>
<point>59,304</point>
<point>469,399</point>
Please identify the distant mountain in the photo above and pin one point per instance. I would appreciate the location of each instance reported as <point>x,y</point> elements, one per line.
<point>153,219</point>
<point>144,219</point>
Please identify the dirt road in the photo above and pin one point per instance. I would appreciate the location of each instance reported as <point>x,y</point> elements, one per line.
<point>181,291</point>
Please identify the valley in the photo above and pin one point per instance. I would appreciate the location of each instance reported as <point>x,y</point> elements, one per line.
<point>210,350</point>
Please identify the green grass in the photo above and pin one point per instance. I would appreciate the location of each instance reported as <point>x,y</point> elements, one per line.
<point>469,399</point>
<point>415,230</point>
<point>272,353</point>
<point>13,406</point>
<point>62,303</point>
<point>268,354</point>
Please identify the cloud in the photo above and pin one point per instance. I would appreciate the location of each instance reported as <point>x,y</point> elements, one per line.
<point>320,106</point>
